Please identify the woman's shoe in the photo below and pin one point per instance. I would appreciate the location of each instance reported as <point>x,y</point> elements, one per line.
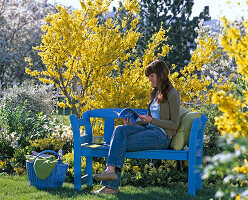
<point>105,190</point>
<point>104,176</point>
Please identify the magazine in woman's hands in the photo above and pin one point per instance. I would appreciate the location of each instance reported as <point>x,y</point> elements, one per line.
<point>128,113</point>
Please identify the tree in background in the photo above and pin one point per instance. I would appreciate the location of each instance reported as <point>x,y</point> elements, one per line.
<point>175,16</point>
<point>20,30</point>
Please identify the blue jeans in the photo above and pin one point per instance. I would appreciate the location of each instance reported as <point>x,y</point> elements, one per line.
<point>128,138</point>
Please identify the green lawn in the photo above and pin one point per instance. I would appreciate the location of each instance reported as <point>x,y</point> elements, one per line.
<point>17,187</point>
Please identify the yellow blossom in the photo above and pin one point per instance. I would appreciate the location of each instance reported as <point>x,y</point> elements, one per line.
<point>61,104</point>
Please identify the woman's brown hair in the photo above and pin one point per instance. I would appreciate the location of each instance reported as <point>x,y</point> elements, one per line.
<point>164,85</point>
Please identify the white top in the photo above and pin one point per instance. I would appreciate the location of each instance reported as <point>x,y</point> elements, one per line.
<point>155,112</point>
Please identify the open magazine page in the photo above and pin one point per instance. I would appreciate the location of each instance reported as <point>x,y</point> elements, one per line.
<point>128,113</point>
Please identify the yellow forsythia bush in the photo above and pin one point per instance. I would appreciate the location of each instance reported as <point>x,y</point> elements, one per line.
<point>92,59</point>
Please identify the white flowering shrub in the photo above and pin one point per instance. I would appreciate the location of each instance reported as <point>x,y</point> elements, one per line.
<point>223,66</point>
<point>230,166</point>
<point>64,132</point>
<point>39,98</point>
<point>59,138</point>
<point>13,138</point>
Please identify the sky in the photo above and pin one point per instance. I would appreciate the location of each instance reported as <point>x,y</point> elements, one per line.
<point>217,8</point>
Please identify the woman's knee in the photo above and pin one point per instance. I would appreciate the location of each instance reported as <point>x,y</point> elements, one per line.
<point>119,127</point>
<point>127,130</point>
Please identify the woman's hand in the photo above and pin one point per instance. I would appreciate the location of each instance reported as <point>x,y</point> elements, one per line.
<point>145,118</point>
<point>127,121</point>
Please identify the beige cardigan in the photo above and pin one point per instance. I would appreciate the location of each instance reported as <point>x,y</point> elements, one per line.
<point>169,114</point>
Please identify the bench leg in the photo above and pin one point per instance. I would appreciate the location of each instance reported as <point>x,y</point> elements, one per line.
<point>191,177</point>
<point>77,172</point>
<point>191,184</point>
<point>89,171</point>
<point>198,174</point>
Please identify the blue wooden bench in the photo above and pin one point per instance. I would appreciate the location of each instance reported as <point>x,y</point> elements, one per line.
<point>193,155</point>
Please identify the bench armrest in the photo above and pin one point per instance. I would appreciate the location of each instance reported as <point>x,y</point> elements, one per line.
<point>77,138</point>
<point>84,139</point>
<point>196,136</point>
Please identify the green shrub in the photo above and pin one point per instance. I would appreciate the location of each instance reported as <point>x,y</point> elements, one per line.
<point>5,146</point>
<point>39,98</point>
<point>6,164</point>
<point>20,155</point>
<point>18,127</point>
<point>22,131</point>
<point>211,111</point>
<point>145,172</point>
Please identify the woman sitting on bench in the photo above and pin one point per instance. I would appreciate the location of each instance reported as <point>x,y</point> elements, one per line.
<point>152,132</point>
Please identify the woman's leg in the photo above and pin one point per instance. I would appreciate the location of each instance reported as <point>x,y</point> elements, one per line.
<point>117,147</point>
<point>118,143</point>
<point>148,139</point>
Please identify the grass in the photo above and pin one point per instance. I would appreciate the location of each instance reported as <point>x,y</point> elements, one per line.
<point>17,187</point>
